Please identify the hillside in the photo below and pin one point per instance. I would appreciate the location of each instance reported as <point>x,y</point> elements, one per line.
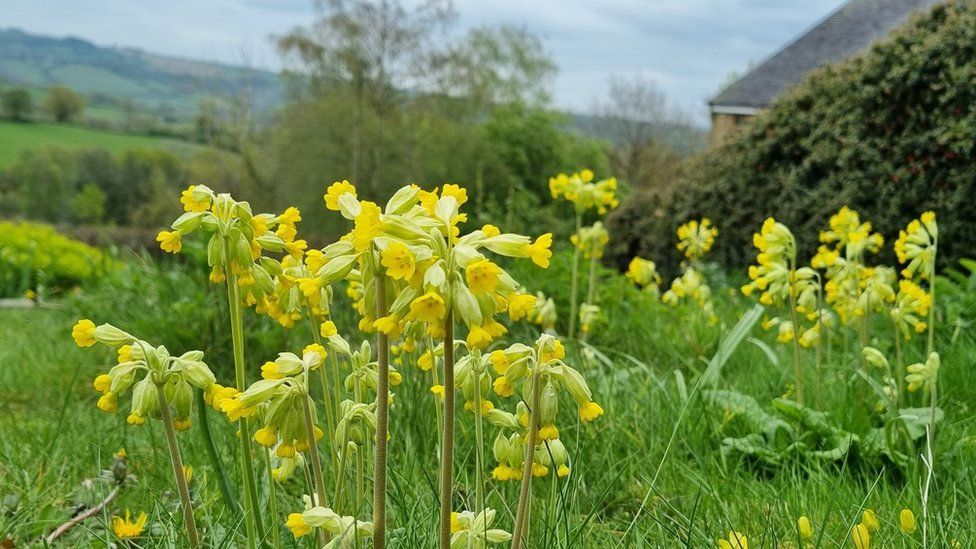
<point>130,79</point>
<point>17,137</point>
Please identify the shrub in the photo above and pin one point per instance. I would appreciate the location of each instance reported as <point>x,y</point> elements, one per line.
<point>888,133</point>
<point>35,257</point>
<point>63,103</point>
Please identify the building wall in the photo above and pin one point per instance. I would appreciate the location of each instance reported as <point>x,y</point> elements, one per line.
<point>724,125</point>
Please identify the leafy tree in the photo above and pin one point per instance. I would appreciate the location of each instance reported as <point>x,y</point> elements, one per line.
<point>369,51</point>
<point>63,103</point>
<point>635,117</point>
<point>88,205</point>
<point>16,103</point>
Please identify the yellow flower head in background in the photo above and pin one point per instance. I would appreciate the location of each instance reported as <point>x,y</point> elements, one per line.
<point>916,245</point>
<point>906,521</point>
<point>126,528</point>
<point>861,536</point>
<point>643,272</point>
<point>803,528</point>
<point>735,540</point>
<point>695,238</point>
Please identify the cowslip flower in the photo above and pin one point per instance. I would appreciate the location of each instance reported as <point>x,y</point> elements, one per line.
<point>861,536</point>
<point>734,540</point>
<point>803,528</point>
<point>643,272</point>
<point>695,238</point>
<point>345,531</point>
<point>923,375</point>
<point>916,245</point>
<point>906,521</point>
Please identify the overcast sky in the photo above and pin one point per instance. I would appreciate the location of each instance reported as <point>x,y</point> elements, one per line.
<point>688,46</point>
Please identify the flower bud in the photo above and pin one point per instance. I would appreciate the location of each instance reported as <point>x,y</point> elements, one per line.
<point>548,404</point>
<point>107,334</point>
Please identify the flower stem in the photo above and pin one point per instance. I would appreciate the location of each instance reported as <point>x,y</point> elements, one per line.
<point>447,438</point>
<point>796,351</point>
<point>524,491</point>
<point>272,501</point>
<point>313,452</point>
<point>226,493</point>
<point>479,436</point>
<point>341,475</point>
<point>252,517</point>
<point>573,313</point>
<point>382,418</point>
<point>327,397</point>
<point>177,463</point>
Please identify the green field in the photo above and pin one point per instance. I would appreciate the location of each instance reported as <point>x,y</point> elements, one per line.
<point>18,137</point>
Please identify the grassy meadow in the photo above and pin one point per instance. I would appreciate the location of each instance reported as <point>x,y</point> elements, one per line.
<point>651,472</point>
<point>17,137</point>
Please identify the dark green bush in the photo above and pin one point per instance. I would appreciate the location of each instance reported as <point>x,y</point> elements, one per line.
<point>889,133</point>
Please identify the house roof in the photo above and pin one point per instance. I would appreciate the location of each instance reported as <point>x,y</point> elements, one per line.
<point>847,31</point>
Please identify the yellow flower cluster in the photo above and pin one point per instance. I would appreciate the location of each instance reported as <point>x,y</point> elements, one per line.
<point>916,245</point>
<point>643,272</point>
<point>237,246</point>
<point>174,374</point>
<point>591,240</point>
<point>543,364</point>
<point>695,238</point>
<point>431,270</point>
<point>585,193</point>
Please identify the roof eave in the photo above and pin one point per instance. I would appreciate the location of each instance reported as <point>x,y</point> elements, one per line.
<point>734,109</point>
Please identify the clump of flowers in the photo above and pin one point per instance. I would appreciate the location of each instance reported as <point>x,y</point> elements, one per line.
<point>585,194</point>
<point>162,386</point>
<point>695,239</point>
<point>783,283</point>
<point>643,273</point>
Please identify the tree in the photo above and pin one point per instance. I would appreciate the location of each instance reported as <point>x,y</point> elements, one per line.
<point>492,66</point>
<point>88,205</point>
<point>63,103</point>
<point>635,117</point>
<point>16,103</point>
<point>371,51</point>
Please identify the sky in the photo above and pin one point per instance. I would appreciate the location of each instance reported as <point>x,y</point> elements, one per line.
<point>688,47</point>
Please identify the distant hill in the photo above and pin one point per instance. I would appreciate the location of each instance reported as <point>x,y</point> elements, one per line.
<point>124,79</point>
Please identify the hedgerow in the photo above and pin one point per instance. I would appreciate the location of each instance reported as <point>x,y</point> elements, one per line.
<point>888,133</point>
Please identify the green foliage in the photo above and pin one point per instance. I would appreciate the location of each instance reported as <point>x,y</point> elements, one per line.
<point>888,133</point>
<point>174,301</point>
<point>16,104</point>
<point>35,257</point>
<point>63,103</point>
<point>88,206</point>
<point>134,188</point>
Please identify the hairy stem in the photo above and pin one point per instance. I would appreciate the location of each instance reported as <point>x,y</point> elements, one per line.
<point>574,281</point>
<point>177,462</point>
<point>796,351</point>
<point>382,418</point>
<point>223,481</point>
<point>447,437</point>
<point>524,490</point>
<point>252,516</point>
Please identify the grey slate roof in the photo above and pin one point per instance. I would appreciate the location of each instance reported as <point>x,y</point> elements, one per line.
<point>847,31</point>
